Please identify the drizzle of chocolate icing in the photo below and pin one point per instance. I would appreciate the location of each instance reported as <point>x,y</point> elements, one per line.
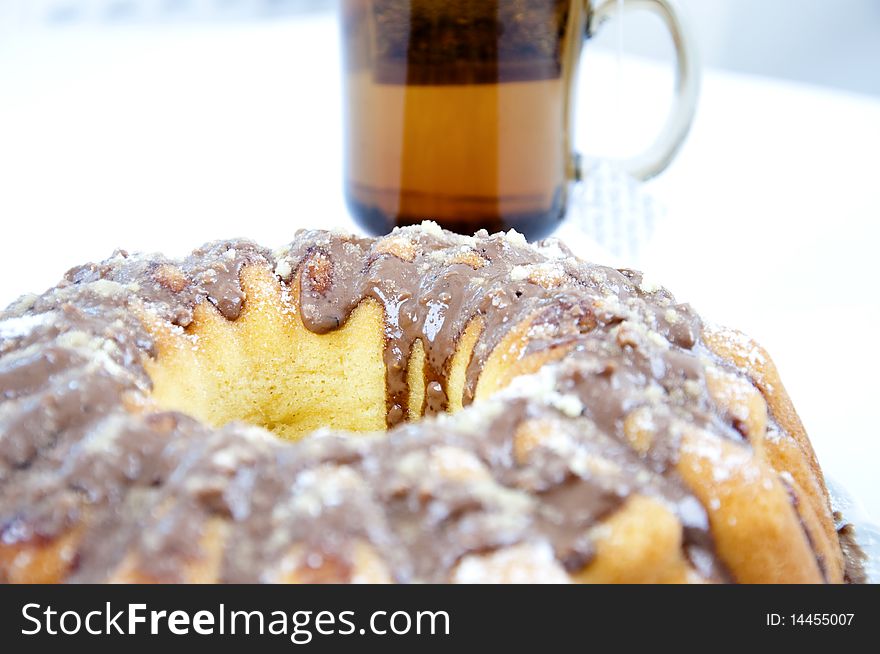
<point>434,285</point>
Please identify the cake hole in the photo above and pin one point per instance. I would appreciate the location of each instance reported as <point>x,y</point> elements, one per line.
<point>265,368</point>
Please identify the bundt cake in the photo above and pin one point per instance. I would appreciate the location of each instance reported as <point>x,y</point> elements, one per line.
<point>197,421</point>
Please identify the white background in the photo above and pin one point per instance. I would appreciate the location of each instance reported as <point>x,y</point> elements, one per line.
<point>161,139</point>
<point>826,42</point>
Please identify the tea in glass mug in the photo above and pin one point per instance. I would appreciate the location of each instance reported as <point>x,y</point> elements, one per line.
<point>460,111</point>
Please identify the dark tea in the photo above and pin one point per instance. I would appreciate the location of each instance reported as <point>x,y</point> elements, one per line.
<point>457,111</point>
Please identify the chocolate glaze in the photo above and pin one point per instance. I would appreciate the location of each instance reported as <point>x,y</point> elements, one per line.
<point>80,449</point>
<point>434,286</point>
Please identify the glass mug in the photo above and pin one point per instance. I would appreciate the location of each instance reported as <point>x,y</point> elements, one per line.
<point>460,111</point>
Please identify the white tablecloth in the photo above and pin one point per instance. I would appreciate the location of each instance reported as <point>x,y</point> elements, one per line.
<point>161,140</point>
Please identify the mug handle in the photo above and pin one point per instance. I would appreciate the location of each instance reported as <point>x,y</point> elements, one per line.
<point>657,157</point>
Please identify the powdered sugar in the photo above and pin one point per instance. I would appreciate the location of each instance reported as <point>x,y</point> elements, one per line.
<point>23,325</point>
